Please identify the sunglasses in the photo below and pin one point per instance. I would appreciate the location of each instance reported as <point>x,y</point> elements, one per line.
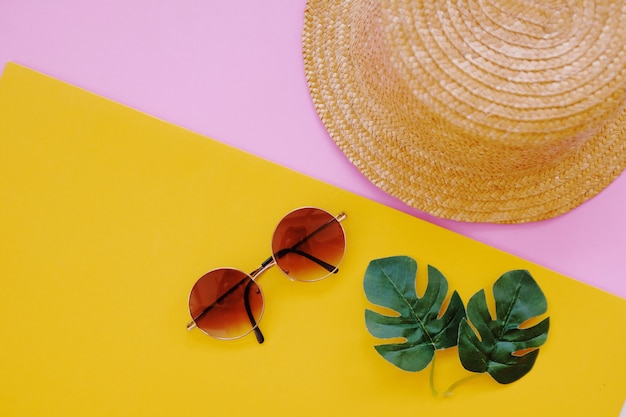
<point>308,245</point>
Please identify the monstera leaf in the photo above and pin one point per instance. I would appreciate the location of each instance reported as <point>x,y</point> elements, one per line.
<point>504,346</point>
<point>420,323</point>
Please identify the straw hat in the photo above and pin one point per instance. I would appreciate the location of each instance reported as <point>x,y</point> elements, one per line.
<point>500,111</point>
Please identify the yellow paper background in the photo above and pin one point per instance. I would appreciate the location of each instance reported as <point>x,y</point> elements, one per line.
<point>107,218</point>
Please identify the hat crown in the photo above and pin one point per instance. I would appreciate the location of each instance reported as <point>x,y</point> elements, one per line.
<point>508,84</point>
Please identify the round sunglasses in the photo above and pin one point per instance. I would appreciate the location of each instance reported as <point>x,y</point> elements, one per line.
<point>308,245</point>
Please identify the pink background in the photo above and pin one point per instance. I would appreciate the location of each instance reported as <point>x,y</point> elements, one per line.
<point>232,70</point>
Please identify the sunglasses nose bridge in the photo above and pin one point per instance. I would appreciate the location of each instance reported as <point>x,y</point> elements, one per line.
<point>265,265</point>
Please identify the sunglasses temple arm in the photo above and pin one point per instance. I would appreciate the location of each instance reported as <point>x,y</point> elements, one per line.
<point>268,263</point>
<point>325,265</point>
<point>255,327</point>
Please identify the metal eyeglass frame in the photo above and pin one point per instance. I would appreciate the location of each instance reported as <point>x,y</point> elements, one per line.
<point>265,265</point>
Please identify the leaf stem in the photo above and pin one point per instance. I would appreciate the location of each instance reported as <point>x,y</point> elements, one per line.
<point>449,392</point>
<point>432,377</point>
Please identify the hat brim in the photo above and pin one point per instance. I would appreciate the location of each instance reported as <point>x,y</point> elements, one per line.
<point>395,161</point>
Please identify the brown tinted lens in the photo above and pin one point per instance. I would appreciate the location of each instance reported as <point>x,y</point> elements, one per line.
<point>226,303</point>
<point>308,244</point>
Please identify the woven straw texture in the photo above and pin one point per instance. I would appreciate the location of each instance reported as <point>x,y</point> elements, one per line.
<point>484,111</point>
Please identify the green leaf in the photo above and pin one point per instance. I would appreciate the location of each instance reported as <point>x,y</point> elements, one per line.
<point>501,346</point>
<point>420,323</point>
